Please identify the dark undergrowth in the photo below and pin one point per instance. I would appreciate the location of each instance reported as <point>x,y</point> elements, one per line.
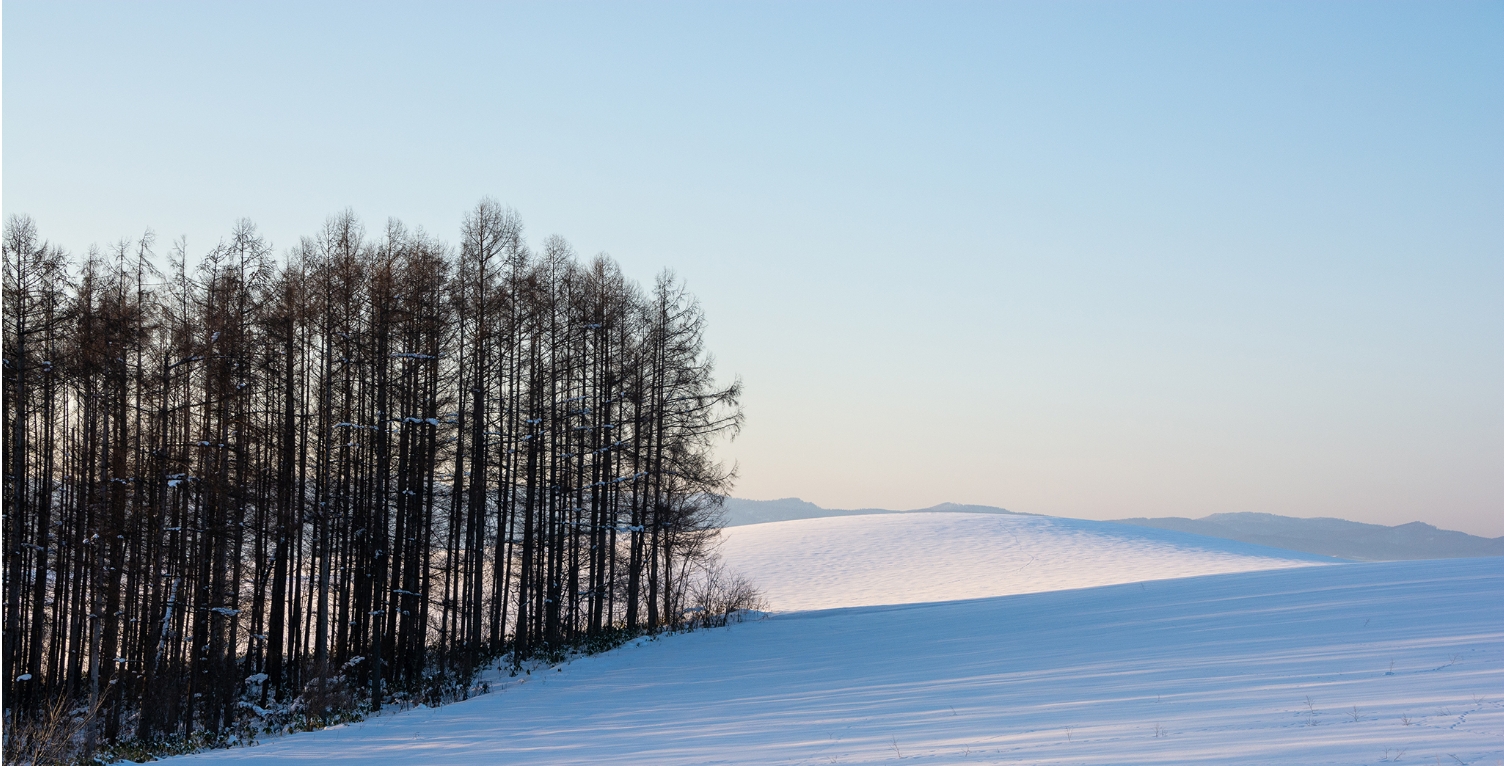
<point>60,735</point>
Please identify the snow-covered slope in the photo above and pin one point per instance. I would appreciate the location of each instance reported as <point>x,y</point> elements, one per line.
<point>904,558</point>
<point>1345,664</point>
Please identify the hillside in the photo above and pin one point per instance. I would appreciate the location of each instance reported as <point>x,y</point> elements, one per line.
<point>900,558</point>
<point>1345,664</point>
<point>1339,538</point>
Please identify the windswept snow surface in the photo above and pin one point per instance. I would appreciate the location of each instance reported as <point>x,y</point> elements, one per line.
<point>907,558</point>
<point>1346,664</point>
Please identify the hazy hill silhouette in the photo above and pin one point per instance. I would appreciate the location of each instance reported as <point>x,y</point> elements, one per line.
<point>1323,536</point>
<point>1334,537</point>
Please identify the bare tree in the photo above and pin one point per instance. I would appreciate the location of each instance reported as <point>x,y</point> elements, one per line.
<point>253,493</point>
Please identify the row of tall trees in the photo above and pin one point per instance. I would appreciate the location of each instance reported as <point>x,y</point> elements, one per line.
<point>379,461</point>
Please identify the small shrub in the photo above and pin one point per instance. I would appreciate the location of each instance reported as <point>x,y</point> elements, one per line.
<point>717,598</point>
<point>54,735</point>
<point>326,699</point>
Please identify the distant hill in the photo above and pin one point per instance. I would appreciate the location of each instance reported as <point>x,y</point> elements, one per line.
<point>1334,537</point>
<point>741,512</point>
<point>920,556</point>
<point>1325,537</point>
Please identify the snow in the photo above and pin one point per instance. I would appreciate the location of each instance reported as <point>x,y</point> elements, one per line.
<point>971,638</point>
<point>1214,669</point>
<point>913,557</point>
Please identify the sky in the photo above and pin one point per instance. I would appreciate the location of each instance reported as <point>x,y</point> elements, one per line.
<point>1096,260</point>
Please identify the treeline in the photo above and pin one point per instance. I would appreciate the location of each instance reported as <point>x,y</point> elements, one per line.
<point>361,469</point>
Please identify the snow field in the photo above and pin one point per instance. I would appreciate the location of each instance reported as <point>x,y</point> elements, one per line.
<point>905,558</point>
<point>1290,666</point>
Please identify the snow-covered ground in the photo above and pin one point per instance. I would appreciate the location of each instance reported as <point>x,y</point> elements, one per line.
<point>906,558</point>
<point>1345,664</point>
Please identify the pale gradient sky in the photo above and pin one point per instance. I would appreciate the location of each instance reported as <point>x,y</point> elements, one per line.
<point>1093,260</point>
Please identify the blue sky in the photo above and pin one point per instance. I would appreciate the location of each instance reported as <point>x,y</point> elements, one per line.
<point>1084,259</point>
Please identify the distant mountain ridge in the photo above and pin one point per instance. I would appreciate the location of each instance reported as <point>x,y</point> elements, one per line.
<point>741,512</point>
<point>1333,537</point>
<point>1322,536</point>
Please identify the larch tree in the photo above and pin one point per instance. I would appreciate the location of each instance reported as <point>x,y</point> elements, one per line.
<point>262,492</point>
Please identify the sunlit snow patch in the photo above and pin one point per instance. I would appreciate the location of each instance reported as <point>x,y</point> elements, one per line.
<point>918,557</point>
